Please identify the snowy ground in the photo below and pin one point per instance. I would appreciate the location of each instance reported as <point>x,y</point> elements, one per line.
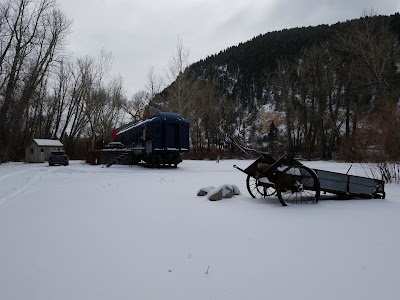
<point>92,233</point>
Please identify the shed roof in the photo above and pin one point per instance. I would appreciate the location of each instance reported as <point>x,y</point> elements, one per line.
<point>46,142</point>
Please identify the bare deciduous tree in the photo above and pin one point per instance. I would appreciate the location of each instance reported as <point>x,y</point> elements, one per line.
<point>281,82</point>
<point>135,107</point>
<point>32,34</point>
<point>182,92</point>
<point>153,84</point>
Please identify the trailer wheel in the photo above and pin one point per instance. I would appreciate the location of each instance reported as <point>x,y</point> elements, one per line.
<point>257,191</point>
<point>297,185</point>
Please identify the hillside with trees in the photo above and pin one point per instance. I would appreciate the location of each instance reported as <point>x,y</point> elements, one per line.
<point>316,92</point>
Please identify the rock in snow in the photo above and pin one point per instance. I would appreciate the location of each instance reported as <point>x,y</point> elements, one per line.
<point>223,191</point>
<point>235,189</point>
<point>204,190</point>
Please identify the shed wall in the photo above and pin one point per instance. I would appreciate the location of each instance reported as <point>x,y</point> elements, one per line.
<point>39,154</point>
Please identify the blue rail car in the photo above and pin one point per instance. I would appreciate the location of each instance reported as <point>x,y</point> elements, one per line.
<point>157,141</point>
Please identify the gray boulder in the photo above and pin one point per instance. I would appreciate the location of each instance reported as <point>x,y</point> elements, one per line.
<point>223,191</point>
<point>235,189</point>
<point>204,190</point>
<point>215,195</point>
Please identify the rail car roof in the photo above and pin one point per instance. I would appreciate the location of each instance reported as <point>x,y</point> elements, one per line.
<point>159,116</point>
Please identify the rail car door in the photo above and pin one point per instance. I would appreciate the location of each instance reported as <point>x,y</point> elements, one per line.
<point>172,136</point>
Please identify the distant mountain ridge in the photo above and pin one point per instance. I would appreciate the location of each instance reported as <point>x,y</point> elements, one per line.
<point>250,60</point>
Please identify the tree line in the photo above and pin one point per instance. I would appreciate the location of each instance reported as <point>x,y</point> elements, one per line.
<point>44,92</point>
<point>47,93</point>
<point>317,92</point>
<point>340,97</point>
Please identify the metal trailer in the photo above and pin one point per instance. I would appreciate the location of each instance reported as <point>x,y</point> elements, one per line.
<point>292,182</point>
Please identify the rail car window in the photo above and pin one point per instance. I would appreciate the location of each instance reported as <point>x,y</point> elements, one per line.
<point>136,136</point>
<point>139,136</point>
<point>157,131</point>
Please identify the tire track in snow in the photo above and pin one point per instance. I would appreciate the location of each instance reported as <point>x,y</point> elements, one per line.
<point>12,174</point>
<point>16,183</point>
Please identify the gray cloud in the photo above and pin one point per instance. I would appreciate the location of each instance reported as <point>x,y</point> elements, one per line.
<point>142,33</point>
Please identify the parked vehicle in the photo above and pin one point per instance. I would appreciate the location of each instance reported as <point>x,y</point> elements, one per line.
<point>114,145</point>
<point>58,158</point>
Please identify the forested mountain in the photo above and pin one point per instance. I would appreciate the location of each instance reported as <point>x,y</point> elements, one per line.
<point>250,61</point>
<point>317,92</point>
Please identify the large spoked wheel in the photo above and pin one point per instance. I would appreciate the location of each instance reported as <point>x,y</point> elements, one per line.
<point>257,191</point>
<point>297,185</point>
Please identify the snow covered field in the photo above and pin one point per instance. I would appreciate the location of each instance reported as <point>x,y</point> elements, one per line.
<point>92,233</point>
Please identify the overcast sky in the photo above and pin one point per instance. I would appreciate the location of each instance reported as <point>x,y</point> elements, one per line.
<point>144,33</point>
